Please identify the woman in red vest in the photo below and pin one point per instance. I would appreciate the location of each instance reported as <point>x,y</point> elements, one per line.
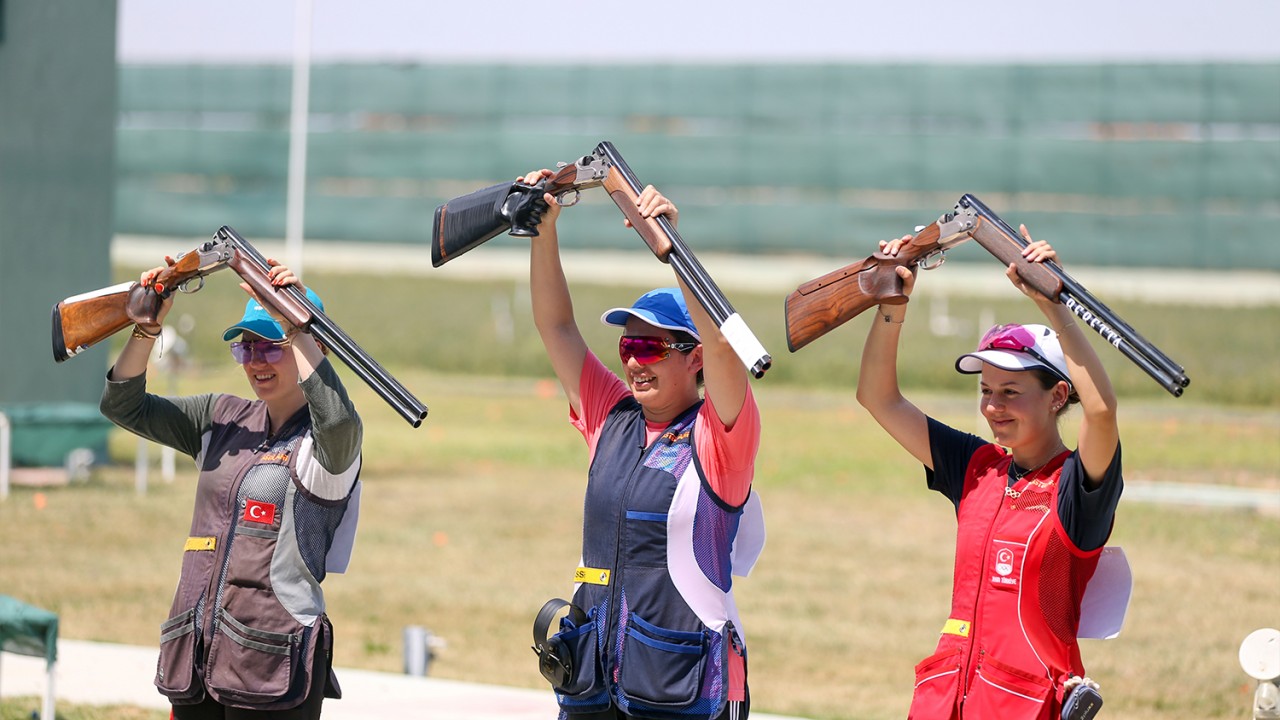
<point>1032,515</point>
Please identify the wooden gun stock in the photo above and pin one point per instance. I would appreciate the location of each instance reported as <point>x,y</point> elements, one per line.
<point>825,303</point>
<point>82,321</point>
<point>821,305</point>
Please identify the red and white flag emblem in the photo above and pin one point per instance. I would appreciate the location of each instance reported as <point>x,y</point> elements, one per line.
<point>259,512</point>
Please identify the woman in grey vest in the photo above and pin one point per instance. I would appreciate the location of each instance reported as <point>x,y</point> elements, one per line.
<point>275,511</point>
<point>669,514</point>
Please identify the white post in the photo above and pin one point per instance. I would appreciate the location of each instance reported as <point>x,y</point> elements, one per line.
<point>4,456</point>
<point>46,710</point>
<point>295,199</point>
<point>140,463</point>
<point>167,463</point>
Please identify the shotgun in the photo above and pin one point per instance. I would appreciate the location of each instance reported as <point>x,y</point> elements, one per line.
<point>82,320</point>
<point>823,304</point>
<point>467,221</point>
<point>992,231</point>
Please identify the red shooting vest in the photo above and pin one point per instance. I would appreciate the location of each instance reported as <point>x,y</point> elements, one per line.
<point>1010,642</point>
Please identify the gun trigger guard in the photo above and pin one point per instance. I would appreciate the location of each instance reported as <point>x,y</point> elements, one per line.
<point>932,261</point>
<point>184,286</point>
<point>576,197</point>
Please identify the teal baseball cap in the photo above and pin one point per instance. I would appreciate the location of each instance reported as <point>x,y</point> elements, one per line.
<point>258,321</point>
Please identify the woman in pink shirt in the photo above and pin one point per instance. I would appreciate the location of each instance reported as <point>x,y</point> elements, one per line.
<point>669,513</point>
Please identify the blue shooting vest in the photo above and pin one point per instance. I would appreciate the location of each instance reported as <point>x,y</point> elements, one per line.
<point>658,549</point>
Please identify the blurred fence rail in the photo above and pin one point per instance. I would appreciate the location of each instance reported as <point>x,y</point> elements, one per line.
<point>1154,165</point>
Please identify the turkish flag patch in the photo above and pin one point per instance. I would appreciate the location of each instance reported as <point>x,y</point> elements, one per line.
<point>259,512</point>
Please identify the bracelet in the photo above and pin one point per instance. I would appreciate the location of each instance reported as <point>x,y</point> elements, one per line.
<point>141,334</point>
<point>890,320</point>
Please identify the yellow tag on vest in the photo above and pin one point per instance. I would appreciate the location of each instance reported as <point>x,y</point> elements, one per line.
<point>591,576</point>
<point>200,543</point>
<point>956,627</point>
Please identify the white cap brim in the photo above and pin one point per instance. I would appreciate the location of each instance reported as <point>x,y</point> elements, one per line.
<point>971,363</point>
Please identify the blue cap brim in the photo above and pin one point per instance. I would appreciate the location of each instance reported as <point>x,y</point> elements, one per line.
<point>619,316</point>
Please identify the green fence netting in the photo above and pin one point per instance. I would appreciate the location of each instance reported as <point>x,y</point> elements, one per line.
<point>1153,164</point>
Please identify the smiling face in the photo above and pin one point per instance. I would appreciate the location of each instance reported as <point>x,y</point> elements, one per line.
<point>273,382</point>
<point>1018,408</point>
<point>665,388</point>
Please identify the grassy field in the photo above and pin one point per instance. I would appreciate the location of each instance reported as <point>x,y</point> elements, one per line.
<point>473,327</point>
<point>472,521</point>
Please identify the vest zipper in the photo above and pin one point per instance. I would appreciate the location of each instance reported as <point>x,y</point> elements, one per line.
<point>975,631</point>
<point>621,524</point>
<point>615,583</point>
<point>237,509</point>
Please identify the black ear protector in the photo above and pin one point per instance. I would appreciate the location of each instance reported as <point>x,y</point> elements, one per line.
<point>554,660</point>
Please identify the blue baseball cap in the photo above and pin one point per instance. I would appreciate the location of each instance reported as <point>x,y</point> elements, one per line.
<point>663,307</point>
<point>258,321</point>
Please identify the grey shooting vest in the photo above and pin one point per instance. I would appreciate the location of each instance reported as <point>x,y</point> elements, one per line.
<point>248,611</point>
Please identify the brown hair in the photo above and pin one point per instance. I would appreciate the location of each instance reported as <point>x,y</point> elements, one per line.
<point>1048,380</point>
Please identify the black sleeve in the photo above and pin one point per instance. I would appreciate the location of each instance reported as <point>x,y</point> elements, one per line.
<point>1087,515</point>
<point>951,450</point>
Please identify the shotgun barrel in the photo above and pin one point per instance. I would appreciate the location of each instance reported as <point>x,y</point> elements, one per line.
<point>699,281</point>
<point>1096,315</point>
<point>327,332</point>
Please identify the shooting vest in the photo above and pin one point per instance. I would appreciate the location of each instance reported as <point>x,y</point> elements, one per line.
<point>248,612</point>
<point>1010,642</point>
<point>663,638</point>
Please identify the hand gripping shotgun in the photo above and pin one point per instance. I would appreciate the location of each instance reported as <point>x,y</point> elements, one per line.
<point>824,303</point>
<point>467,221</point>
<point>82,320</point>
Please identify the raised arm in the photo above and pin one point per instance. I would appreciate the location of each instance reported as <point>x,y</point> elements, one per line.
<point>878,389</point>
<point>1099,432</point>
<point>133,358</point>
<point>552,304</point>
<point>174,421</point>
<point>337,427</point>
<point>724,376</point>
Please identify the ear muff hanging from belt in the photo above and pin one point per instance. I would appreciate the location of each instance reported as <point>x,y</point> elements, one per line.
<point>554,660</point>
